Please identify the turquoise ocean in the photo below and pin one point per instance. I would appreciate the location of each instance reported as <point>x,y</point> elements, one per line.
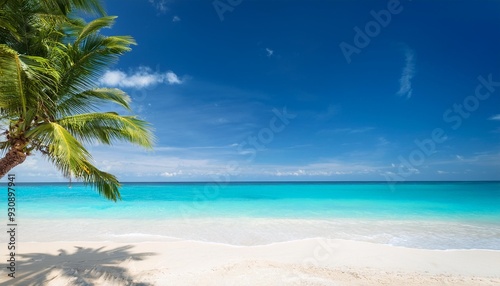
<point>433,215</point>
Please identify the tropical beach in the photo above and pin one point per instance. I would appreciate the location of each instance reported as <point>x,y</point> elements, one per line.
<point>243,235</point>
<point>249,142</point>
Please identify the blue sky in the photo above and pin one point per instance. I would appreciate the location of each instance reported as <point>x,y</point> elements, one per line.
<point>307,90</point>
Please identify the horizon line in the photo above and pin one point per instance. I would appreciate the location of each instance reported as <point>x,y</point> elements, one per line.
<point>257,182</point>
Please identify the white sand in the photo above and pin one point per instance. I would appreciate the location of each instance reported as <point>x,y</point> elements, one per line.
<point>304,262</point>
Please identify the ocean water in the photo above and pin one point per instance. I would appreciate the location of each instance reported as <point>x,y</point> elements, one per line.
<point>444,215</point>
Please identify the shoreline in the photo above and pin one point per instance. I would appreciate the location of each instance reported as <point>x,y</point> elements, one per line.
<point>419,234</point>
<point>166,239</point>
<point>300,262</point>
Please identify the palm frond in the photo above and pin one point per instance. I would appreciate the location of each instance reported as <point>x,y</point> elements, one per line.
<point>67,6</point>
<point>72,159</point>
<point>106,184</point>
<point>67,153</point>
<point>8,29</point>
<point>26,81</point>
<point>94,26</point>
<point>89,100</point>
<point>90,59</point>
<point>12,95</point>
<point>108,127</point>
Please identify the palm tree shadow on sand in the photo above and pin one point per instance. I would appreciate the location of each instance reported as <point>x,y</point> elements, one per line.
<point>86,266</point>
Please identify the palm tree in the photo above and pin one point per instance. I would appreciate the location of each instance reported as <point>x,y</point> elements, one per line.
<point>49,100</point>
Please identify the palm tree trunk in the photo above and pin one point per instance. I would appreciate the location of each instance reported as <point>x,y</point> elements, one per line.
<point>13,158</point>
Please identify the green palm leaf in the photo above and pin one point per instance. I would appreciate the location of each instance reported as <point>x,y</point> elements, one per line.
<point>66,6</point>
<point>25,81</point>
<point>12,93</point>
<point>89,100</point>
<point>90,59</point>
<point>72,159</point>
<point>94,27</point>
<point>107,127</point>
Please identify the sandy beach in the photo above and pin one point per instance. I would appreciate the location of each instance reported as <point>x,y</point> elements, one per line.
<point>302,262</point>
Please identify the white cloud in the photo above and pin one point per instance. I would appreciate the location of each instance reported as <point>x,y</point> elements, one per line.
<point>405,88</point>
<point>172,78</point>
<point>141,78</point>
<point>176,19</point>
<point>172,174</point>
<point>160,5</point>
<point>495,117</point>
<point>440,172</point>
<point>269,52</point>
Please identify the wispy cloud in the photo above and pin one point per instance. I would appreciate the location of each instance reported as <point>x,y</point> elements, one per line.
<point>143,77</point>
<point>172,78</point>
<point>382,141</point>
<point>405,88</point>
<point>38,169</point>
<point>206,163</point>
<point>441,172</point>
<point>359,130</point>
<point>269,52</point>
<point>346,130</point>
<point>176,19</point>
<point>330,112</point>
<point>495,117</point>
<point>486,158</point>
<point>160,5</point>
<point>330,169</point>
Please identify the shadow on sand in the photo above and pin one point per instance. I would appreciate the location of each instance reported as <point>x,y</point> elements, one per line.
<point>85,266</point>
